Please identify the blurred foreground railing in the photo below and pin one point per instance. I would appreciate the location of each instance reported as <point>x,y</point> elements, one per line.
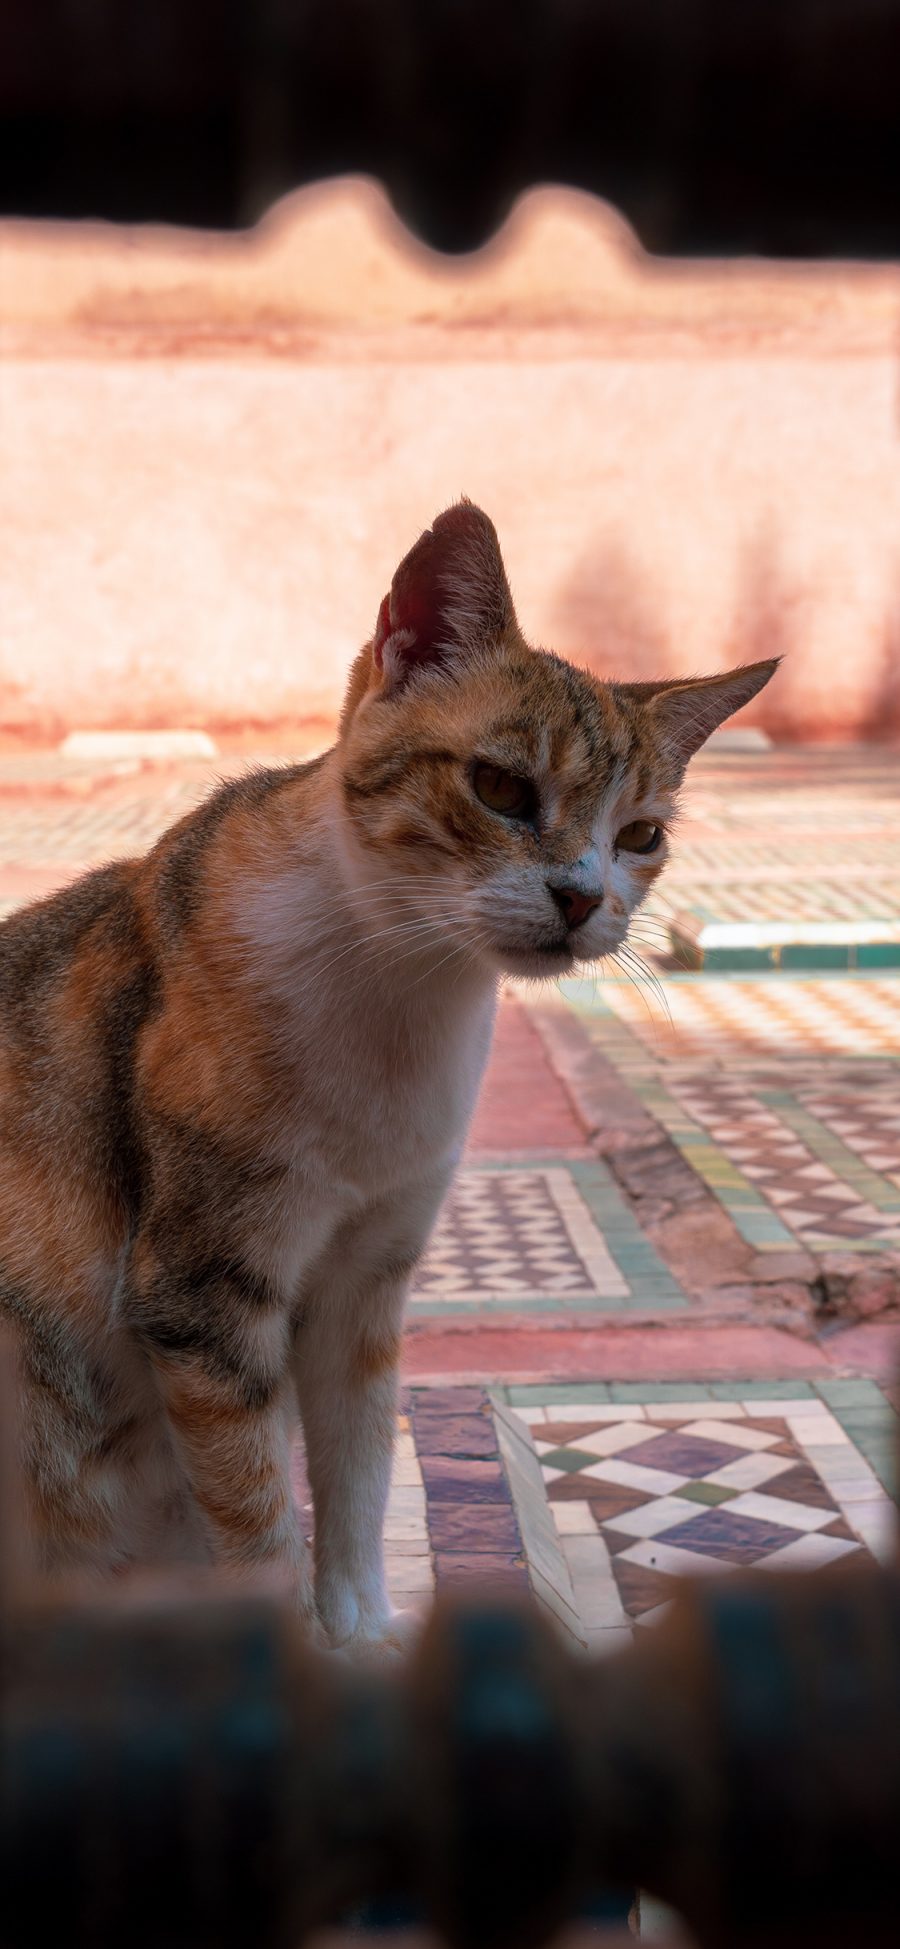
<point>181,1772</point>
<point>178,1771</point>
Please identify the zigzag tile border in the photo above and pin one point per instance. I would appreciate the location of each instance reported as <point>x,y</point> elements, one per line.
<point>788,1163</point>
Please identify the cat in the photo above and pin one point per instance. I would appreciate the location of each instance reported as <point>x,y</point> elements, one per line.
<point>236,1076</point>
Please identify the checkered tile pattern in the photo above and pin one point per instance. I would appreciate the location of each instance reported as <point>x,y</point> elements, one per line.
<point>868,1123</point>
<point>82,832</point>
<point>506,1234</point>
<point>644,1494</point>
<point>809,1193</point>
<point>711,1017</point>
<point>764,896</point>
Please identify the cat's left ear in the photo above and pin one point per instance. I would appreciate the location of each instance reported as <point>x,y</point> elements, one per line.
<point>449,598</point>
<point>685,711</point>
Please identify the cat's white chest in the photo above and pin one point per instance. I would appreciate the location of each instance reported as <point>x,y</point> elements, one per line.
<point>380,1121</point>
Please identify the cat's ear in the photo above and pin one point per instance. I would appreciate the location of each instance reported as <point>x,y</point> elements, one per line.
<point>449,598</point>
<point>683,712</point>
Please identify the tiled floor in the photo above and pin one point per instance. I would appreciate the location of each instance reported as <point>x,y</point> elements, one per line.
<point>595,1504</point>
<point>708,1017</point>
<point>657,1486</point>
<point>555,1235</point>
<point>782,1094</point>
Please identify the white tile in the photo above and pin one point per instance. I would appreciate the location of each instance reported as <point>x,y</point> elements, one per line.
<point>398,1528</point>
<point>775,1409</point>
<point>406,1546</point>
<point>750,1471</point>
<point>613,1440</point>
<point>654,1517</point>
<point>876,1525</point>
<point>550,1474</point>
<point>832,1459</point>
<point>634,1475</point>
<point>594,1411</point>
<point>695,1411</point>
<point>417,1601</point>
<point>775,1509</point>
<point>530,1415</point>
<point>410,1573</point>
<point>738,1432</point>
<point>597,1597</point>
<point>671,1559</point>
<point>807,1552</point>
<point>818,1431</point>
<point>849,1490</point>
<point>573,1518</point>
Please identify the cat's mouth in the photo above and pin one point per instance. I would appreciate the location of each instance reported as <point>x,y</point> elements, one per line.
<point>544,959</point>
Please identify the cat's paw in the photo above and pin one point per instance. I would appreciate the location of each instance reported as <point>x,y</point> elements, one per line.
<point>382,1640</point>
<point>370,1632</point>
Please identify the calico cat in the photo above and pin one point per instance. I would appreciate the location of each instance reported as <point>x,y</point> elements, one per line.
<point>236,1075</point>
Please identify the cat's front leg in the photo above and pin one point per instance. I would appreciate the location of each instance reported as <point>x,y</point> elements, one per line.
<point>347,1357</point>
<point>346,1366</point>
<point>219,1352</point>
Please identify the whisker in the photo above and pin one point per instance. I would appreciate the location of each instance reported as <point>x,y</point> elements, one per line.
<point>645,975</point>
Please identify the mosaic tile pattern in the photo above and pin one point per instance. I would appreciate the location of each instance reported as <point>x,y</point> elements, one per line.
<point>504,1233</point>
<point>542,1238</point>
<point>800,1142</point>
<point>765,895</point>
<point>593,1496</point>
<point>868,1127</point>
<point>821,1192</point>
<point>646,1491</point>
<point>85,831</point>
<point>713,1016</point>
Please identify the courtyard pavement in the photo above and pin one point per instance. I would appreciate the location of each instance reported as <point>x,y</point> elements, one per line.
<point>658,1328</point>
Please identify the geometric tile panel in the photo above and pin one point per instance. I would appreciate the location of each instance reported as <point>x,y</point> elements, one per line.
<point>713,1016</point>
<point>503,1234</point>
<point>694,1489</point>
<point>782,1095</point>
<point>545,1237</point>
<point>767,898</point>
<point>810,1194</point>
<point>868,1123</point>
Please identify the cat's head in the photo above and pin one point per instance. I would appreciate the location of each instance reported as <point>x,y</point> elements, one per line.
<point>499,803</point>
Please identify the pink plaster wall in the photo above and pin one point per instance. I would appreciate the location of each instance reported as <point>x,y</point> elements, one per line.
<point>214,453</point>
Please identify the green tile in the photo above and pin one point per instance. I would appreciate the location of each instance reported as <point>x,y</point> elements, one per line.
<point>851,1393</point>
<point>863,1418</point>
<point>640,1392</point>
<point>878,954</point>
<point>541,1394</point>
<point>763,1391</point>
<point>819,954</point>
<point>705,1492</point>
<point>737,960</point>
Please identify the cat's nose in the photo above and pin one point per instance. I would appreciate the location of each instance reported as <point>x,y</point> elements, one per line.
<point>574,905</point>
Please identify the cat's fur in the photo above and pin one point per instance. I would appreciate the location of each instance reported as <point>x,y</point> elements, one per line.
<point>235,1077</point>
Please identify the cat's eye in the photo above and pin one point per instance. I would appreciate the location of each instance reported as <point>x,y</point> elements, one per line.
<point>504,791</point>
<point>640,837</point>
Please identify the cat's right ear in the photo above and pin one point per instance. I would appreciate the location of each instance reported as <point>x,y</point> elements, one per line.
<point>448,599</point>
